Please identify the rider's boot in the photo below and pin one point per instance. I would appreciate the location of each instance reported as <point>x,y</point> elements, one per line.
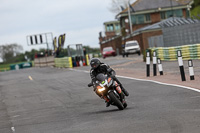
<point>107,101</point>
<point>124,90</point>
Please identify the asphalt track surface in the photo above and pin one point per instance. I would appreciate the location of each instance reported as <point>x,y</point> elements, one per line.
<point>50,100</point>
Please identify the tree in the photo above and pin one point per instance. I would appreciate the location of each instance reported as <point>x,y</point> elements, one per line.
<point>195,12</point>
<point>9,51</point>
<point>31,55</point>
<point>118,5</point>
<point>91,50</point>
<point>19,58</point>
<point>196,3</point>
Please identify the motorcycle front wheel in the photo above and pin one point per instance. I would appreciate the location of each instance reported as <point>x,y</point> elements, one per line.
<point>116,101</point>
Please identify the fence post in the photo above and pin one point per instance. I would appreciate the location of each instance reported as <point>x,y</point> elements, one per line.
<point>181,67</point>
<point>191,70</point>
<point>160,66</point>
<point>148,63</point>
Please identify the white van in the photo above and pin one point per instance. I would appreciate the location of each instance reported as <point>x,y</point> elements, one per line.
<point>131,47</point>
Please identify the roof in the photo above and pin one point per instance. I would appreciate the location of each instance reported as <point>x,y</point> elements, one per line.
<point>140,5</point>
<point>178,21</point>
<point>170,22</point>
<point>111,22</point>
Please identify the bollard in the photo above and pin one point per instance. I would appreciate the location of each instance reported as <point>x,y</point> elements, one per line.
<point>154,64</point>
<point>160,66</point>
<point>148,63</point>
<point>180,62</point>
<point>191,70</point>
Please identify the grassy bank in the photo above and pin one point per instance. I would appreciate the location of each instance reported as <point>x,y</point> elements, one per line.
<point>4,67</point>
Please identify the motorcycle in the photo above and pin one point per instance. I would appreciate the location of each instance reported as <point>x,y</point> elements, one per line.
<point>106,86</point>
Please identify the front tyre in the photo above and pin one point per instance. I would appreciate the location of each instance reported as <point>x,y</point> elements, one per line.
<point>125,105</point>
<point>116,101</point>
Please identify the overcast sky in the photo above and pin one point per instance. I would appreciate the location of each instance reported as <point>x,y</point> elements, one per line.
<point>80,20</point>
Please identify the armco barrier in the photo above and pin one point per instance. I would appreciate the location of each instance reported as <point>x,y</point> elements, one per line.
<point>170,53</point>
<point>20,65</point>
<point>63,62</point>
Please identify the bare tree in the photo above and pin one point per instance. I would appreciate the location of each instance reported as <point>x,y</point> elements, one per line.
<point>118,5</point>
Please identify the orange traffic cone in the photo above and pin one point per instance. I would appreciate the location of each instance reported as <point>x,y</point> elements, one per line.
<point>84,62</point>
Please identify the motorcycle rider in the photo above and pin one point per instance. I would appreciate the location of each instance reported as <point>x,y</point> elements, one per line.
<point>98,67</point>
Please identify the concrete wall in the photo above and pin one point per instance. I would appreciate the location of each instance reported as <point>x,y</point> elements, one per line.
<point>44,61</point>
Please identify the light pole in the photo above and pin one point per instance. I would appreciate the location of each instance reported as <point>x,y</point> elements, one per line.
<point>129,17</point>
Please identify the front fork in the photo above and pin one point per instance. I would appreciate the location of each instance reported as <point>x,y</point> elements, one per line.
<point>119,91</point>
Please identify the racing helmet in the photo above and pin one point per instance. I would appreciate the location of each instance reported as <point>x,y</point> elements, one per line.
<point>95,62</point>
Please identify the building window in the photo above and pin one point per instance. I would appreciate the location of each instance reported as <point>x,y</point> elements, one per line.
<point>134,19</point>
<point>147,18</point>
<point>141,19</point>
<point>117,27</point>
<point>187,14</point>
<point>109,27</point>
<point>169,14</point>
<point>163,16</point>
<point>123,22</point>
<point>175,13</point>
<point>178,13</point>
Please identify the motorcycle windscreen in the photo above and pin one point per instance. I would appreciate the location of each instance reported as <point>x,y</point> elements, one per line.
<point>101,78</point>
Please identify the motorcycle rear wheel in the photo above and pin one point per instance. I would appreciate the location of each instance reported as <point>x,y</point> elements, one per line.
<point>116,101</point>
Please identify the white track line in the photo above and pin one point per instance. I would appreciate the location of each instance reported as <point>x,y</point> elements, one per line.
<point>13,129</point>
<point>30,77</point>
<point>157,82</point>
<point>189,88</point>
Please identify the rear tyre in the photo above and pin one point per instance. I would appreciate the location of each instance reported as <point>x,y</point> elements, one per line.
<point>116,101</point>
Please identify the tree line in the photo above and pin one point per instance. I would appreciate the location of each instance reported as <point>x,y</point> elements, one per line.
<point>12,53</point>
<point>195,12</point>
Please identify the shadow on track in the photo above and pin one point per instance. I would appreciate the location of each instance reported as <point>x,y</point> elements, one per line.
<point>106,111</point>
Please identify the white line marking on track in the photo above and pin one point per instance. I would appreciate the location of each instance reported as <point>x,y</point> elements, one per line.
<point>13,129</point>
<point>195,97</point>
<point>157,82</point>
<point>16,116</point>
<point>30,77</point>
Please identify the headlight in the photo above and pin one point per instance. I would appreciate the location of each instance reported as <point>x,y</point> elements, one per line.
<point>101,89</point>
